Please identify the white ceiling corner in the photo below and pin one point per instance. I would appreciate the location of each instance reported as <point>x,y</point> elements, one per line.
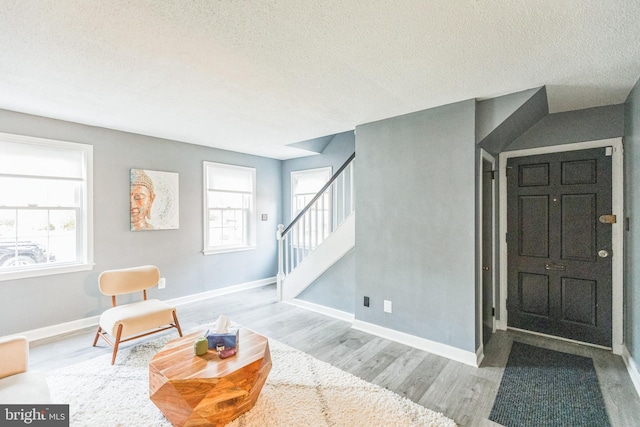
<point>255,76</point>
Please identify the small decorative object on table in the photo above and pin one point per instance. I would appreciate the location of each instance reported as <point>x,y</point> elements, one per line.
<point>200,346</point>
<point>227,352</point>
<point>224,335</point>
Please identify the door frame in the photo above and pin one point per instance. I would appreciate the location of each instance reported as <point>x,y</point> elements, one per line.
<point>617,203</point>
<point>484,155</point>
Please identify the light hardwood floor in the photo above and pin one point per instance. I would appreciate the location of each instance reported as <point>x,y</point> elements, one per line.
<point>459,391</point>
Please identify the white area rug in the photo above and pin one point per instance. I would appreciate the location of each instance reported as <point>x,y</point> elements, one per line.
<point>300,391</point>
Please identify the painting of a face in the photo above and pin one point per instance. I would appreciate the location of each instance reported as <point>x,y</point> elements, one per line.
<point>153,200</point>
<point>141,201</point>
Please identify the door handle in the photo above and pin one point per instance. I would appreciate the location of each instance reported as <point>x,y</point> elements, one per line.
<point>555,267</point>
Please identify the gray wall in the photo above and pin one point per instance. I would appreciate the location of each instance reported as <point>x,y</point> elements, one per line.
<point>501,120</point>
<point>573,126</point>
<point>632,237</point>
<point>336,287</point>
<point>335,154</point>
<point>415,228</point>
<point>34,303</point>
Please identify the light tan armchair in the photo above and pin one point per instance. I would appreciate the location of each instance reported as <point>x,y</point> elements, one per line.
<point>17,383</point>
<point>134,320</point>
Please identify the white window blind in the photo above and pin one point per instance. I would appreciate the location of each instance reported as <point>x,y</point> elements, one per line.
<point>230,218</point>
<point>45,206</point>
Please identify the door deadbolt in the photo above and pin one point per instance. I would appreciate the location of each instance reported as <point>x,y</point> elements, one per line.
<point>603,253</point>
<point>608,219</point>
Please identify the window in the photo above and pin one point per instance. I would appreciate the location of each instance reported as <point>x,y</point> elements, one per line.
<point>45,207</point>
<point>230,219</point>
<point>304,187</point>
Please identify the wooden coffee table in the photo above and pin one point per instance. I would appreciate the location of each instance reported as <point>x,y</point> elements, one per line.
<point>204,390</point>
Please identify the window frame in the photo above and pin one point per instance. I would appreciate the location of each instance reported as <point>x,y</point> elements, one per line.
<point>84,236</point>
<point>308,230</point>
<point>303,172</point>
<point>250,238</point>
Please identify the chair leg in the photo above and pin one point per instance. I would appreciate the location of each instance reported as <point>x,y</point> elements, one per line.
<point>95,341</point>
<point>175,319</point>
<point>116,344</point>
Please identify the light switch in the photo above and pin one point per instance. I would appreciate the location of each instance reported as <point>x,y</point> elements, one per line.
<point>387,306</point>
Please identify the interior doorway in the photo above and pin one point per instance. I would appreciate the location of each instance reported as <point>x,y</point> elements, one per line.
<point>487,250</point>
<point>487,193</point>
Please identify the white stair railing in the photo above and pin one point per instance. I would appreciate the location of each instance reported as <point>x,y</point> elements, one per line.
<point>324,214</point>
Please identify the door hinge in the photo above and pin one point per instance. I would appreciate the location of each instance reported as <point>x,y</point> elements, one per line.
<point>493,175</point>
<point>493,312</point>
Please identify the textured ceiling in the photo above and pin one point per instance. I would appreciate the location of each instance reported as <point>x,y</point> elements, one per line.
<point>254,76</point>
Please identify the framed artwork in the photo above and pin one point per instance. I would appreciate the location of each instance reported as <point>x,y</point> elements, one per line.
<point>154,200</point>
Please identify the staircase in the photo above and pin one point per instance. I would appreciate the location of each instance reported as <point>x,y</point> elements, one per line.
<point>321,234</point>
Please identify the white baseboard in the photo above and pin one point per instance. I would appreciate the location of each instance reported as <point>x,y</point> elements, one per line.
<point>60,328</point>
<point>632,368</point>
<point>222,291</point>
<point>453,353</point>
<point>479,355</point>
<point>331,312</point>
<point>75,325</point>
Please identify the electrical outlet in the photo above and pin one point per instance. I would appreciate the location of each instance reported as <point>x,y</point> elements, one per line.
<point>162,283</point>
<point>366,301</point>
<point>387,306</point>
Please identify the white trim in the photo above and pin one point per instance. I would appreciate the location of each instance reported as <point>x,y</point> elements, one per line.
<point>86,262</point>
<point>479,355</point>
<point>228,250</point>
<point>484,155</point>
<point>45,271</point>
<point>250,244</point>
<point>75,325</point>
<point>43,142</point>
<point>632,368</point>
<point>617,300</point>
<point>617,237</point>
<point>453,353</point>
<point>222,291</point>
<point>327,311</point>
<point>540,334</point>
<point>60,328</point>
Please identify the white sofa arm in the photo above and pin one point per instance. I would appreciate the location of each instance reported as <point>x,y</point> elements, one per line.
<point>14,354</point>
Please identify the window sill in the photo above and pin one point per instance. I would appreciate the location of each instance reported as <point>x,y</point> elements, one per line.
<point>228,250</point>
<point>45,271</point>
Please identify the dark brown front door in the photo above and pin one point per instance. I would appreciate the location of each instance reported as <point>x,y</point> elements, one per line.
<point>559,247</point>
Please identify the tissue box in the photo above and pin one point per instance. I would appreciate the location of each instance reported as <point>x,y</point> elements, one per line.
<point>228,339</point>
